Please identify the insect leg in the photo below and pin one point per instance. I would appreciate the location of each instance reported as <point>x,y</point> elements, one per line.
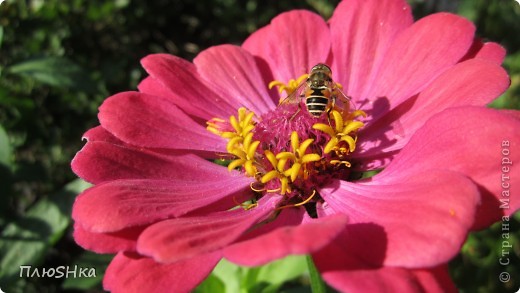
<point>296,113</point>
<point>329,110</point>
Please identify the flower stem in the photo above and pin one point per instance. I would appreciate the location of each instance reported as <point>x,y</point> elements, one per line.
<point>317,285</point>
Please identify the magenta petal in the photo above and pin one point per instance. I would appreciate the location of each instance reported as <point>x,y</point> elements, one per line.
<point>361,33</point>
<point>285,238</point>
<point>134,274</point>
<point>469,140</point>
<point>293,43</point>
<point>116,205</point>
<point>186,89</point>
<point>473,82</point>
<point>418,55</point>
<point>125,240</point>
<point>177,239</point>
<point>432,210</point>
<point>344,269</point>
<point>101,161</point>
<point>150,121</point>
<point>232,72</point>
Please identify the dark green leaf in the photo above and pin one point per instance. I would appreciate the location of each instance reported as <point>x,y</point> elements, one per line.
<point>25,241</point>
<point>55,71</point>
<point>1,35</point>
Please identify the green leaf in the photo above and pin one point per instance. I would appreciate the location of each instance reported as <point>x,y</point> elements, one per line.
<point>5,148</point>
<point>55,71</point>
<point>212,284</point>
<point>266,279</point>
<point>1,35</point>
<point>25,241</point>
<point>281,271</point>
<point>317,284</point>
<point>230,275</point>
<point>98,262</point>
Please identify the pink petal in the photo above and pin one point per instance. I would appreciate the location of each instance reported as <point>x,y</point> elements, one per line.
<point>153,87</point>
<point>512,113</point>
<point>323,210</point>
<point>131,273</point>
<point>489,51</point>
<point>285,236</point>
<point>186,89</point>
<point>417,56</point>
<point>433,210</point>
<point>348,271</point>
<point>492,52</point>
<point>293,43</point>
<point>232,72</point>
<point>469,140</point>
<point>119,204</point>
<point>473,82</point>
<point>361,33</point>
<point>436,279</point>
<point>98,133</point>
<point>150,121</point>
<point>124,240</point>
<point>101,161</point>
<point>182,238</point>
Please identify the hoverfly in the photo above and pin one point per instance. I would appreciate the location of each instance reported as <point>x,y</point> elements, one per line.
<point>320,92</point>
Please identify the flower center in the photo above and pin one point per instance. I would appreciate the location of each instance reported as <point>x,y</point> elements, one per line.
<point>290,151</point>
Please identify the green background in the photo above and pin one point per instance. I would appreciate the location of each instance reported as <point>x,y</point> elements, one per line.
<point>59,59</point>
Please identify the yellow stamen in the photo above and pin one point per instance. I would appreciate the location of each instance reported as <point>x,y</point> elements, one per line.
<point>307,200</point>
<point>297,156</point>
<point>338,162</point>
<point>269,176</point>
<point>324,128</point>
<point>240,143</point>
<point>310,158</point>
<point>277,173</point>
<point>235,164</point>
<point>290,86</point>
<point>273,190</point>
<point>300,203</point>
<point>254,188</point>
<point>251,206</point>
<point>343,131</point>
<point>245,206</point>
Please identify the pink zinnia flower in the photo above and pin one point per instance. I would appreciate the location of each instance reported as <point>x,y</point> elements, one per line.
<point>294,187</point>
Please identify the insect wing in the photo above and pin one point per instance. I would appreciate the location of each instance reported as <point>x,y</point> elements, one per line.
<point>342,101</point>
<point>296,96</point>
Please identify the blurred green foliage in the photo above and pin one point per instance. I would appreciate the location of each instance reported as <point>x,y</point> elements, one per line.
<point>61,58</point>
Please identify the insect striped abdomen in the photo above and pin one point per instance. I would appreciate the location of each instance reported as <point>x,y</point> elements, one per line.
<point>317,101</point>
